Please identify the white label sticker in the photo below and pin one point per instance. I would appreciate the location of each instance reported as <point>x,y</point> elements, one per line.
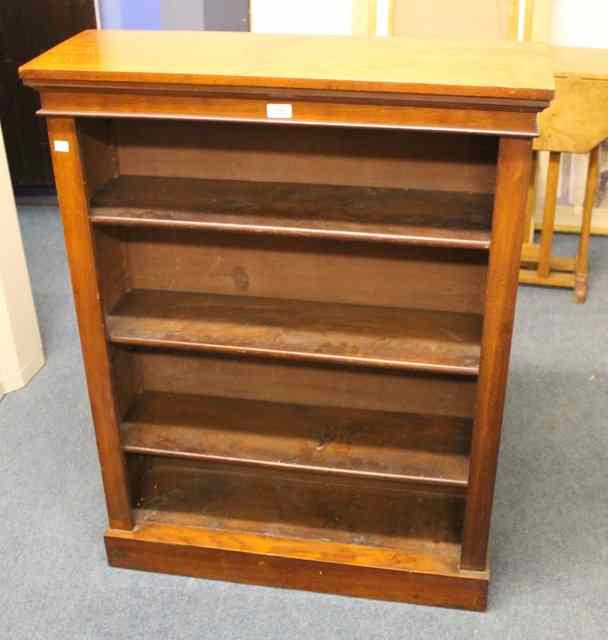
<point>61,146</point>
<point>279,111</point>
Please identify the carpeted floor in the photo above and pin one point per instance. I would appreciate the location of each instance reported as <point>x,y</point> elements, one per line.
<point>550,531</point>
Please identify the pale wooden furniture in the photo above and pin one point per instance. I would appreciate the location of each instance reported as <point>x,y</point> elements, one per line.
<point>21,354</point>
<point>581,121</point>
<point>295,269</point>
<point>576,122</point>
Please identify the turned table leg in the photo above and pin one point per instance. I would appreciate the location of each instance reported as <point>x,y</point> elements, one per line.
<point>582,258</point>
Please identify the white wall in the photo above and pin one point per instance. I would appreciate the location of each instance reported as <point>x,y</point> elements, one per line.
<point>580,23</point>
<point>20,347</point>
<point>330,17</point>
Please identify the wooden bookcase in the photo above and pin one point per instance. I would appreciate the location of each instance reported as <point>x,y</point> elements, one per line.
<point>296,331</point>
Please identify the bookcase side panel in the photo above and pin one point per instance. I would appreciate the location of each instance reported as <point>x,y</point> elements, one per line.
<point>514,167</point>
<point>71,187</point>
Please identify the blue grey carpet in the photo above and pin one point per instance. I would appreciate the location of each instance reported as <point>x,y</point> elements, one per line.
<point>550,527</point>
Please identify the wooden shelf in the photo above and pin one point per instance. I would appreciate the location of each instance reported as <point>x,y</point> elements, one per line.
<point>429,450</point>
<point>186,493</point>
<point>394,338</point>
<point>401,216</point>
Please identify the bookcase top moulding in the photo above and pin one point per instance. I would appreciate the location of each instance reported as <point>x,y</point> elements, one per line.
<point>499,70</point>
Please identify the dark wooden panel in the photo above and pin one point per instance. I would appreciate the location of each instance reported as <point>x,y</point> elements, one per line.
<point>400,216</point>
<point>308,384</point>
<point>25,135</point>
<point>404,447</point>
<point>27,28</point>
<point>347,334</point>
<point>287,504</point>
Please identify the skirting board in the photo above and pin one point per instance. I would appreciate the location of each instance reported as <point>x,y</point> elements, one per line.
<point>20,378</point>
<point>167,549</point>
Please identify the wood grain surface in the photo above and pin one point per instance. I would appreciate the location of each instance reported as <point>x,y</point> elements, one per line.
<point>404,447</point>
<point>400,216</point>
<point>370,336</point>
<point>511,71</point>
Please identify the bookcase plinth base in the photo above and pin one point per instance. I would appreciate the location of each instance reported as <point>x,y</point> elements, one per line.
<point>173,550</point>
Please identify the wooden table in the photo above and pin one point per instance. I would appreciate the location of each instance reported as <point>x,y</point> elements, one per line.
<point>576,122</point>
<point>295,267</point>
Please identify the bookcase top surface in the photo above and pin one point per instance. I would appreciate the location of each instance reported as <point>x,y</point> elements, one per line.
<point>503,70</point>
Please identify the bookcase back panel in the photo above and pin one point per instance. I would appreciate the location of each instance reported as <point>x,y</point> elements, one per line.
<point>299,269</point>
<point>309,154</point>
<point>127,378</point>
<point>290,382</point>
<point>113,273</point>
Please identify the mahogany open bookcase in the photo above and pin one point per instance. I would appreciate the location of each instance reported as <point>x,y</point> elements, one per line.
<point>295,264</point>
